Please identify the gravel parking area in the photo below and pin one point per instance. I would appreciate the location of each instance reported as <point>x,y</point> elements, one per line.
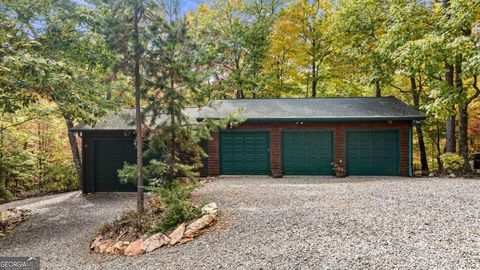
<point>289,223</point>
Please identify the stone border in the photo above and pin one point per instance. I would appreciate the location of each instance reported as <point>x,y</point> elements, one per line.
<point>182,234</point>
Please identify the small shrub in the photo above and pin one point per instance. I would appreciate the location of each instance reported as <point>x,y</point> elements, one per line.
<point>5,194</point>
<point>167,208</point>
<point>128,174</point>
<point>156,204</point>
<point>452,161</point>
<point>60,177</point>
<point>130,226</point>
<point>178,208</point>
<point>154,173</point>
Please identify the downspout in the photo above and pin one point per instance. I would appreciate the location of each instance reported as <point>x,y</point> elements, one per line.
<point>410,154</point>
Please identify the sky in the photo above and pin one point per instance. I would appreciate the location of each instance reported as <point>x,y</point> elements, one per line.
<point>185,5</point>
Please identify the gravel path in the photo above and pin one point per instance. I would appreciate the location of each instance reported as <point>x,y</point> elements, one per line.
<point>290,223</point>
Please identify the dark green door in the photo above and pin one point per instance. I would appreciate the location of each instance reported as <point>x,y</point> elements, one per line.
<point>108,157</point>
<point>244,153</point>
<point>373,153</point>
<point>307,152</point>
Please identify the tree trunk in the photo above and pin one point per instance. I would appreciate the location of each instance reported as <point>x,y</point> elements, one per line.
<point>450,144</point>
<point>2,173</point>
<point>240,94</point>
<point>462,115</point>
<point>171,162</point>
<point>77,160</point>
<point>446,4</point>
<point>40,160</point>
<point>314,80</point>
<point>378,89</point>
<point>418,127</point>
<point>173,139</point>
<point>439,160</point>
<point>138,116</point>
<point>421,148</point>
<point>462,134</point>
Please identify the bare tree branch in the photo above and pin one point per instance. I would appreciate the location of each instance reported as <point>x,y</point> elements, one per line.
<point>398,88</point>
<point>3,128</point>
<point>477,90</point>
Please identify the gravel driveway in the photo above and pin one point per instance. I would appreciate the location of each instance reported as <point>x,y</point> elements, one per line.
<point>289,223</point>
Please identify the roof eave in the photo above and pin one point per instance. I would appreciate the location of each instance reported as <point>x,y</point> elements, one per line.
<point>320,119</point>
<point>331,119</point>
<point>100,129</point>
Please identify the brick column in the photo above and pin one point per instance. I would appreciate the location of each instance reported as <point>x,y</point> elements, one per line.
<point>404,150</point>
<point>275,152</point>
<point>213,162</point>
<point>339,144</point>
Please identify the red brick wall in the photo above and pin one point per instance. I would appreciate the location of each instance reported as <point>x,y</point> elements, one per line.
<point>339,128</point>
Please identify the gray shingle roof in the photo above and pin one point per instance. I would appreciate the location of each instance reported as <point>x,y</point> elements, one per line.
<point>316,109</point>
<point>124,120</point>
<point>287,109</point>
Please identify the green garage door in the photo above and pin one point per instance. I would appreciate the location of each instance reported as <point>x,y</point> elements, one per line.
<point>307,152</point>
<point>373,153</point>
<point>244,153</point>
<point>108,157</point>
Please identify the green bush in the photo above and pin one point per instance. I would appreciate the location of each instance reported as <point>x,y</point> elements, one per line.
<point>452,161</point>
<point>5,194</point>
<point>60,176</point>
<point>178,209</point>
<point>128,174</point>
<point>153,173</point>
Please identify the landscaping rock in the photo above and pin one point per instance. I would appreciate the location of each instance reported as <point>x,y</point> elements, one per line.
<point>96,243</point>
<point>199,224</point>
<point>155,241</point>
<point>119,247</point>
<point>177,234</point>
<point>10,218</point>
<point>210,208</point>
<point>134,249</point>
<point>185,240</point>
<point>104,245</point>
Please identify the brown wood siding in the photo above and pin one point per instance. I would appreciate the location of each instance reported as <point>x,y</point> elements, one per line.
<point>213,167</point>
<point>339,130</point>
<point>275,129</point>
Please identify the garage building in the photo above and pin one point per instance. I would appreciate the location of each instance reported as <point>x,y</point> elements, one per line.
<point>291,136</point>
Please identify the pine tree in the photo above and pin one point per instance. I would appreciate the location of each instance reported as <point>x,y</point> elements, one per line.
<point>126,29</point>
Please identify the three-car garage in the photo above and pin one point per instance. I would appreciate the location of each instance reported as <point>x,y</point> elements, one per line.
<point>277,137</point>
<point>367,152</point>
